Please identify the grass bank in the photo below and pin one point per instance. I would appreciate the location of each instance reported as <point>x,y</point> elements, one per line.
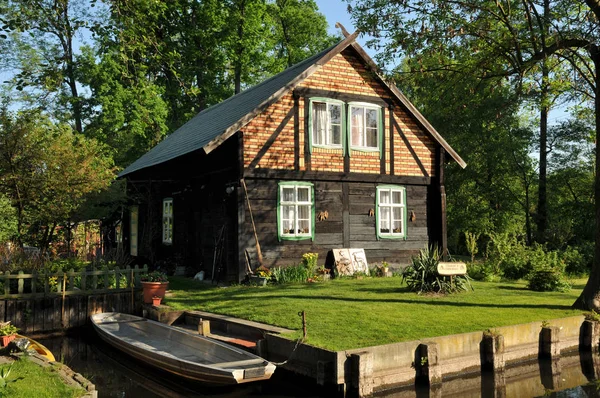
<point>26,380</point>
<point>350,313</point>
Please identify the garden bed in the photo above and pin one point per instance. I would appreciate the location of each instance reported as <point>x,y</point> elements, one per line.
<point>352,313</point>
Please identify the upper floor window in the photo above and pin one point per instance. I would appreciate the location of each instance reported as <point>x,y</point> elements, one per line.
<point>167,216</point>
<point>364,126</point>
<point>295,210</point>
<point>391,211</point>
<point>327,122</point>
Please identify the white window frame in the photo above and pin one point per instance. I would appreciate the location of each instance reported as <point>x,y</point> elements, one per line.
<point>403,213</point>
<point>167,221</point>
<point>328,136</point>
<point>295,235</point>
<point>364,106</point>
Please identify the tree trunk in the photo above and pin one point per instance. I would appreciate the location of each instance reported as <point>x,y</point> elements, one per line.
<point>590,297</point>
<point>542,210</point>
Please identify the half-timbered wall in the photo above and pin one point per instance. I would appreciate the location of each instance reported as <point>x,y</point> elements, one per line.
<point>278,137</point>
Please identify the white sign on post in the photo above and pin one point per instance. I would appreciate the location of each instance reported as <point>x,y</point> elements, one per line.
<point>449,269</point>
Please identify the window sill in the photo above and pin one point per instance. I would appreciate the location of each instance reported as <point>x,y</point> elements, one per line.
<point>396,237</point>
<point>365,149</point>
<point>302,237</point>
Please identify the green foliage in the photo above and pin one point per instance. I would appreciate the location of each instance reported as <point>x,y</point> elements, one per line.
<point>471,242</point>
<point>292,274</point>
<point>7,329</point>
<point>578,260</point>
<point>8,219</point>
<point>154,276</point>
<point>309,260</point>
<point>28,379</point>
<point>548,280</point>
<point>47,169</point>
<point>421,275</point>
<point>482,271</point>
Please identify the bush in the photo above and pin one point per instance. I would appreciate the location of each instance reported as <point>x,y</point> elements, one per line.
<point>422,276</point>
<point>578,260</point>
<point>482,272</point>
<point>294,274</point>
<point>548,280</point>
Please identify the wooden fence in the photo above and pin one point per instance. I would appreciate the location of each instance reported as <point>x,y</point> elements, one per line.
<point>44,302</point>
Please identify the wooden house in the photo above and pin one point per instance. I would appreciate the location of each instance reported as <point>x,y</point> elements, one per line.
<point>326,154</point>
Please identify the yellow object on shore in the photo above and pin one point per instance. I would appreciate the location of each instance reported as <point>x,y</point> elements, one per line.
<point>39,348</point>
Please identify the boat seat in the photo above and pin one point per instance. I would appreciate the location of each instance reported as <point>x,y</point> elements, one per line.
<point>236,364</point>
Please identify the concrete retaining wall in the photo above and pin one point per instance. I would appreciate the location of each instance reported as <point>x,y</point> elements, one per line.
<point>398,364</point>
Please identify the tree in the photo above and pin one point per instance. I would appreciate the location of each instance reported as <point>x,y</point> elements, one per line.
<point>46,170</point>
<point>43,36</point>
<point>8,219</point>
<point>504,42</point>
<point>125,111</point>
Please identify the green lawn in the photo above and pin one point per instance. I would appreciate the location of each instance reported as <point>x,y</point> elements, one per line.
<point>350,313</point>
<point>26,380</point>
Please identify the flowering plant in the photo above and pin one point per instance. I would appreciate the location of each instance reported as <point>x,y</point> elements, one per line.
<point>263,271</point>
<point>154,276</point>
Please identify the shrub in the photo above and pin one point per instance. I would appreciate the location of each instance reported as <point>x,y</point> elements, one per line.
<point>548,280</point>
<point>309,260</point>
<point>422,276</point>
<point>294,274</point>
<point>482,271</point>
<point>578,260</point>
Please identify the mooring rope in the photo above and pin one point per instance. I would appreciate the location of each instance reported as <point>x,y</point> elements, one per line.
<point>300,341</point>
<point>301,314</point>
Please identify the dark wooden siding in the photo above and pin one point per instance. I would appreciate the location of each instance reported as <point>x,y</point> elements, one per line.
<point>330,233</point>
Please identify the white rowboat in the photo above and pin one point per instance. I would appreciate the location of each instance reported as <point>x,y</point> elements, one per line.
<point>179,352</point>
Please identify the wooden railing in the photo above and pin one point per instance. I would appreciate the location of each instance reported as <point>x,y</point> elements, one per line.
<point>41,284</point>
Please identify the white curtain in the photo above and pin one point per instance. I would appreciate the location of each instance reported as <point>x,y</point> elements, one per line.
<point>357,126</point>
<point>319,123</point>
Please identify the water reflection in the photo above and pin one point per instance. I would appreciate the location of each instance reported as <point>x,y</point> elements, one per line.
<point>117,375</point>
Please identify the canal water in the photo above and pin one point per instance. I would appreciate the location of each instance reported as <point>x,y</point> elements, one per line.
<point>118,375</point>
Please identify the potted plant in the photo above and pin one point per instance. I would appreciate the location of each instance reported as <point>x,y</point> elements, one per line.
<point>261,275</point>
<point>156,300</point>
<point>8,332</point>
<point>154,284</point>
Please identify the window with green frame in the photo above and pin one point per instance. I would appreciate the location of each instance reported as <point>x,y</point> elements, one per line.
<point>295,210</point>
<point>391,212</point>
<point>365,126</point>
<point>326,123</point>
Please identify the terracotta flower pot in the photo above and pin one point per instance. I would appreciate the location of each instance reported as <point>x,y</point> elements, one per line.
<point>7,339</point>
<point>152,289</point>
<point>156,301</point>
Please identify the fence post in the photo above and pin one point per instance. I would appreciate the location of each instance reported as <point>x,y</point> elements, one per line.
<point>20,283</point>
<point>106,271</point>
<point>46,283</point>
<point>117,278</point>
<point>71,279</point>
<point>83,280</point>
<point>94,279</point>
<point>34,278</point>
<point>6,283</point>
<point>136,271</point>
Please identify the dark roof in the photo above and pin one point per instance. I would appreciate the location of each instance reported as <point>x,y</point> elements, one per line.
<point>215,120</point>
<point>211,127</point>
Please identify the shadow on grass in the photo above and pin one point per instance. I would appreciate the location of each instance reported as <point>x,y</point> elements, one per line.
<point>520,288</point>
